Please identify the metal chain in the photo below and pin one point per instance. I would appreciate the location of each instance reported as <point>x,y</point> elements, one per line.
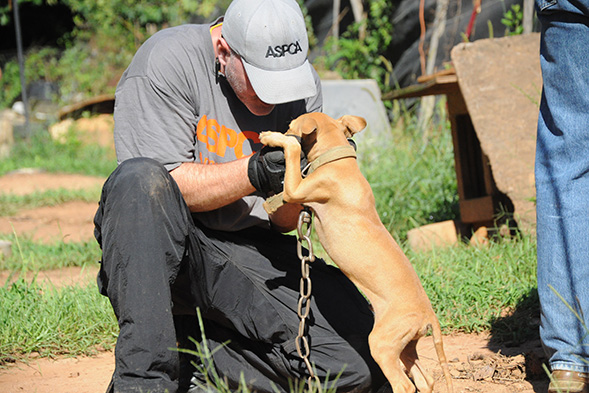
<point>304,305</point>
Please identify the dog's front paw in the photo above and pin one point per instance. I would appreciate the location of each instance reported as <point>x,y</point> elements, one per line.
<point>271,138</point>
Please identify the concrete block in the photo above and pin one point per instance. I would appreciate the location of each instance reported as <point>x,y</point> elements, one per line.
<point>427,237</point>
<point>360,97</point>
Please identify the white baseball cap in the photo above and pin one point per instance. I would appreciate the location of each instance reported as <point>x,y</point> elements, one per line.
<point>270,36</point>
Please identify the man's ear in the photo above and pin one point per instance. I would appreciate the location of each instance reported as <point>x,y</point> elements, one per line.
<point>303,125</point>
<point>223,53</point>
<point>352,124</point>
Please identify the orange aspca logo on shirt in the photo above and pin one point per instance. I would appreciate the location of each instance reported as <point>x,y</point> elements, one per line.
<point>220,139</point>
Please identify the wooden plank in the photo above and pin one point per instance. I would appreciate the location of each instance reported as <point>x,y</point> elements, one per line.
<point>427,78</point>
<point>477,210</point>
<point>442,84</point>
<point>104,101</point>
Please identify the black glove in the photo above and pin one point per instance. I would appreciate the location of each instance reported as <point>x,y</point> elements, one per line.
<point>266,169</point>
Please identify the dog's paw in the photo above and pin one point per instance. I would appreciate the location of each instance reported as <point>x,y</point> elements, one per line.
<point>271,138</point>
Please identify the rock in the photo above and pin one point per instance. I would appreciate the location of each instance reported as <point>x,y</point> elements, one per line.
<point>427,237</point>
<point>7,119</point>
<point>5,248</point>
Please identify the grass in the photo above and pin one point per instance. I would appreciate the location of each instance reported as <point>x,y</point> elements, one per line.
<point>413,180</point>
<point>72,156</point>
<point>10,204</point>
<point>50,321</point>
<point>472,289</point>
<point>28,255</point>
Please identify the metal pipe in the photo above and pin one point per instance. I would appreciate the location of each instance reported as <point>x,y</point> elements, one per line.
<point>21,65</point>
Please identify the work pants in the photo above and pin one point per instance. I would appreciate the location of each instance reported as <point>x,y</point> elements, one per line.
<point>159,265</point>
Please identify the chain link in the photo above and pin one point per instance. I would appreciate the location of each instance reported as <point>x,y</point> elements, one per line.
<point>304,304</point>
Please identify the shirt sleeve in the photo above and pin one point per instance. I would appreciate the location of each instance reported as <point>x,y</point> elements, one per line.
<point>155,115</point>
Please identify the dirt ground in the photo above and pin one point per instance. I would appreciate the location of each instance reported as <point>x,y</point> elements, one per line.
<point>476,363</point>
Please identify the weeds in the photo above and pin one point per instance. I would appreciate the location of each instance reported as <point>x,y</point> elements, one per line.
<point>50,321</point>
<point>413,181</point>
<point>72,156</point>
<point>10,204</point>
<point>210,381</point>
<point>28,255</point>
<point>470,287</point>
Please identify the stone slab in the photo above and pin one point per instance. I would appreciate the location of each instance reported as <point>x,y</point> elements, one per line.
<point>359,97</point>
<point>501,82</point>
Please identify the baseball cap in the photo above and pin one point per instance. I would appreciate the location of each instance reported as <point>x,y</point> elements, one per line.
<point>270,36</point>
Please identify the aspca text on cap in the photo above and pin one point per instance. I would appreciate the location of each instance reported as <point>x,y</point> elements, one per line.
<point>281,50</point>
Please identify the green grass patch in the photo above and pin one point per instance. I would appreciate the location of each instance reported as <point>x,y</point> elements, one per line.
<point>28,255</point>
<point>10,204</point>
<point>472,287</point>
<point>72,156</point>
<point>50,321</point>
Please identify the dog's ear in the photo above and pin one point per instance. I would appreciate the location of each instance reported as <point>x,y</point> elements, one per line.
<point>352,124</point>
<point>303,125</point>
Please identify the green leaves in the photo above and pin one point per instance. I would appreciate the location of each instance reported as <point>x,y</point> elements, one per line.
<point>107,34</point>
<point>513,20</point>
<point>355,57</point>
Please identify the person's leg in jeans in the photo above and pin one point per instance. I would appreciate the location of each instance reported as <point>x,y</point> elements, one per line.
<point>142,225</point>
<point>562,183</point>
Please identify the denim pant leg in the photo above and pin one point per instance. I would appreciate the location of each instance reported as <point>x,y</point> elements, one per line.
<point>562,183</point>
<point>142,226</point>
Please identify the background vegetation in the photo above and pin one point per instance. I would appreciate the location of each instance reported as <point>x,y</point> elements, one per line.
<point>106,35</point>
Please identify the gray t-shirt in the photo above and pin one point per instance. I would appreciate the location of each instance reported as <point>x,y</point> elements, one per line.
<point>169,107</point>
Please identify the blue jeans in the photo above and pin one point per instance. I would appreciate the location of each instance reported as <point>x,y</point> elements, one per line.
<point>562,183</point>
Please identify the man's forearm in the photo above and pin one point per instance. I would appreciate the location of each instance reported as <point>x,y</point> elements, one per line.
<point>209,187</point>
<point>286,218</point>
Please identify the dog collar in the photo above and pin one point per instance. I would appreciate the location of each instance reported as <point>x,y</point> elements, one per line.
<point>331,155</point>
<point>275,201</point>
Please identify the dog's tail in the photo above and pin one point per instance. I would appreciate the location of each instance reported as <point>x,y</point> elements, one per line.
<point>439,346</point>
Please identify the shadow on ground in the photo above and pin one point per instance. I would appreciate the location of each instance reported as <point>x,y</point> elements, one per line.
<point>517,333</point>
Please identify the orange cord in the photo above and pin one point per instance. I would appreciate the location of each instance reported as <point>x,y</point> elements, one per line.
<point>422,36</point>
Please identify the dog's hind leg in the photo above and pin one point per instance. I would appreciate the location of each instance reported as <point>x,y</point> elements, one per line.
<point>422,380</point>
<point>386,349</point>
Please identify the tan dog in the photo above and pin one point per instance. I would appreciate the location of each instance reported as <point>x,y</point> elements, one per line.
<point>351,232</point>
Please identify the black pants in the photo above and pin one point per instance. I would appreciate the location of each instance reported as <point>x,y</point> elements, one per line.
<point>158,266</point>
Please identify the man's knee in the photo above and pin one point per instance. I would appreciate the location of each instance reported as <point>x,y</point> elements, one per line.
<point>141,174</point>
<point>134,186</point>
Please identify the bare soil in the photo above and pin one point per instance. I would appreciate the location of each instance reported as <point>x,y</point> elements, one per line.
<point>477,363</point>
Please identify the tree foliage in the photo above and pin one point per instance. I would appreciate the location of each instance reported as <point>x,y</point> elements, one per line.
<point>106,35</point>
<point>357,57</point>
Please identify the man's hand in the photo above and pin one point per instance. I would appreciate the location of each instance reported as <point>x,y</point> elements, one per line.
<point>266,169</point>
